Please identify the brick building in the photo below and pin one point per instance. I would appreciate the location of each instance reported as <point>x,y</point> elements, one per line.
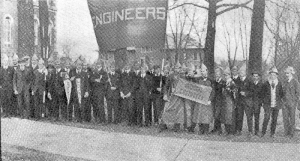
<point>19,27</point>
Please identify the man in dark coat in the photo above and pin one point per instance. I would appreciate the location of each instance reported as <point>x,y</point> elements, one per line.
<point>245,103</point>
<point>6,87</point>
<point>87,101</point>
<point>142,93</point>
<point>52,95</point>
<point>80,91</point>
<point>256,98</point>
<point>99,80</point>
<point>126,93</point>
<point>19,86</point>
<point>157,93</point>
<point>39,90</point>
<point>218,101</point>
<point>113,96</point>
<point>272,101</point>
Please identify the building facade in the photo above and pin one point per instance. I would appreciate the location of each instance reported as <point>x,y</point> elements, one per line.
<point>19,27</point>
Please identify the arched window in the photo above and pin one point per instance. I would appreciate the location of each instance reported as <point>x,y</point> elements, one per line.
<point>36,30</point>
<point>7,29</point>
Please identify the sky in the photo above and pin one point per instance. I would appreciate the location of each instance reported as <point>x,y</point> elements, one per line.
<point>74,24</point>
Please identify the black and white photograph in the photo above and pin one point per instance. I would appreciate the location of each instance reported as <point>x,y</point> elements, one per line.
<point>150,80</point>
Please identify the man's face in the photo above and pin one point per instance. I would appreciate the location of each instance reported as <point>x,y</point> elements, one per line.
<point>204,72</point>
<point>79,67</point>
<point>112,69</point>
<point>22,67</point>
<point>234,72</point>
<point>242,73</point>
<point>273,76</point>
<point>227,76</point>
<point>288,74</point>
<point>255,77</point>
<point>5,63</point>
<point>34,63</point>
<point>157,70</point>
<point>218,74</point>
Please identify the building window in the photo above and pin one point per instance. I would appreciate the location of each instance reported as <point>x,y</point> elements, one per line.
<point>36,31</point>
<point>7,30</point>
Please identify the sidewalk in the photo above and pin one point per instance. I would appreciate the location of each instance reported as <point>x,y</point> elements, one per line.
<point>105,146</point>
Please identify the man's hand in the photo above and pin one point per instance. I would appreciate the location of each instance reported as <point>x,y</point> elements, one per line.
<point>165,97</point>
<point>32,93</point>
<point>0,86</point>
<point>49,96</point>
<point>243,93</point>
<point>122,95</point>
<point>208,102</point>
<point>72,78</point>
<point>16,92</point>
<point>128,95</point>
<point>113,88</point>
<point>97,80</point>
<point>158,89</point>
<point>86,94</point>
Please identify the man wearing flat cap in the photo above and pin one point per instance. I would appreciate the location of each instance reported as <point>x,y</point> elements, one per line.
<point>272,101</point>
<point>19,89</point>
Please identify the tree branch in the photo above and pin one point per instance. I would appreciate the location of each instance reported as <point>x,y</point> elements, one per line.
<point>183,4</point>
<point>233,6</point>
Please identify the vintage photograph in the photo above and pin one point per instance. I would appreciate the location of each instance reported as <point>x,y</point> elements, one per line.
<point>150,80</point>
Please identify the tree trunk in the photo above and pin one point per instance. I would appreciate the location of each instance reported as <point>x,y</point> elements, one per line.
<point>209,60</point>
<point>256,38</point>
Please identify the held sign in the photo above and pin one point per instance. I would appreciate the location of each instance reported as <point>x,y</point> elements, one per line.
<point>193,91</point>
<point>129,23</point>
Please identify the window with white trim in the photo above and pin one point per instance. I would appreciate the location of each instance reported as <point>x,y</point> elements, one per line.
<point>7,30</point>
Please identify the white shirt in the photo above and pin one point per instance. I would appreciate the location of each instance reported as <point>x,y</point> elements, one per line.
<point>235,77</point>
<point>243,79</point>
<point>273,92</point>
<point>289,80</point>
<point>143,75</point>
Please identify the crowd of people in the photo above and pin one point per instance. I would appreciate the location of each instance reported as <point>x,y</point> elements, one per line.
<point>138,96</point>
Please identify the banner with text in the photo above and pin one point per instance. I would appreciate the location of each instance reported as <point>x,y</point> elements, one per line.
<point>193,91</point>
<point>129,23</point>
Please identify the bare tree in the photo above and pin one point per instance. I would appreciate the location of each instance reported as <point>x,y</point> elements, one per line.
<point>67,45</point>
<point>215,8</point>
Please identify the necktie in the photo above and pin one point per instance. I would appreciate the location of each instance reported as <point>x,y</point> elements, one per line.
<point>273,84</point>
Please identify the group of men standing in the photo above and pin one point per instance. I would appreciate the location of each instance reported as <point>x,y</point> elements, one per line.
<point>60,91</point>
<point>139,96</point>
<point>234,94</point>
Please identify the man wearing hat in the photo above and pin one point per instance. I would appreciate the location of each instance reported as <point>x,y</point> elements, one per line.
<point>136,76</point>
<point>87,100</point>
<point>51,92</point>
<point>6,87</point>
<point>80,87</point>
<point>39,90</point>
<point>19,89</point>
<point>273,94</point>
<point>99,80</point>
<point>291,89</point>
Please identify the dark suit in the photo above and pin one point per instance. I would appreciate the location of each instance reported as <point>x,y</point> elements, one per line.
<point>78,94</point>
<point>127,86</point>
<point>6,90</point>
<point>218,103</point>
<point>21,84</point>
<point>113,97</point>
<point>157,96</point>
<point>254,110</point>
<point>245,104</point>
<point>38,88</point>
<point>59,97</point>
<point>268,110</point>
<point>98,94</point>
<point>50,88</point>
<point>143,88</point>
<point>291,97</point>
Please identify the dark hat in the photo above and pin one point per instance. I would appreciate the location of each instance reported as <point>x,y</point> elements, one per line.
<point>256,72</point>
<point>50,66</point>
